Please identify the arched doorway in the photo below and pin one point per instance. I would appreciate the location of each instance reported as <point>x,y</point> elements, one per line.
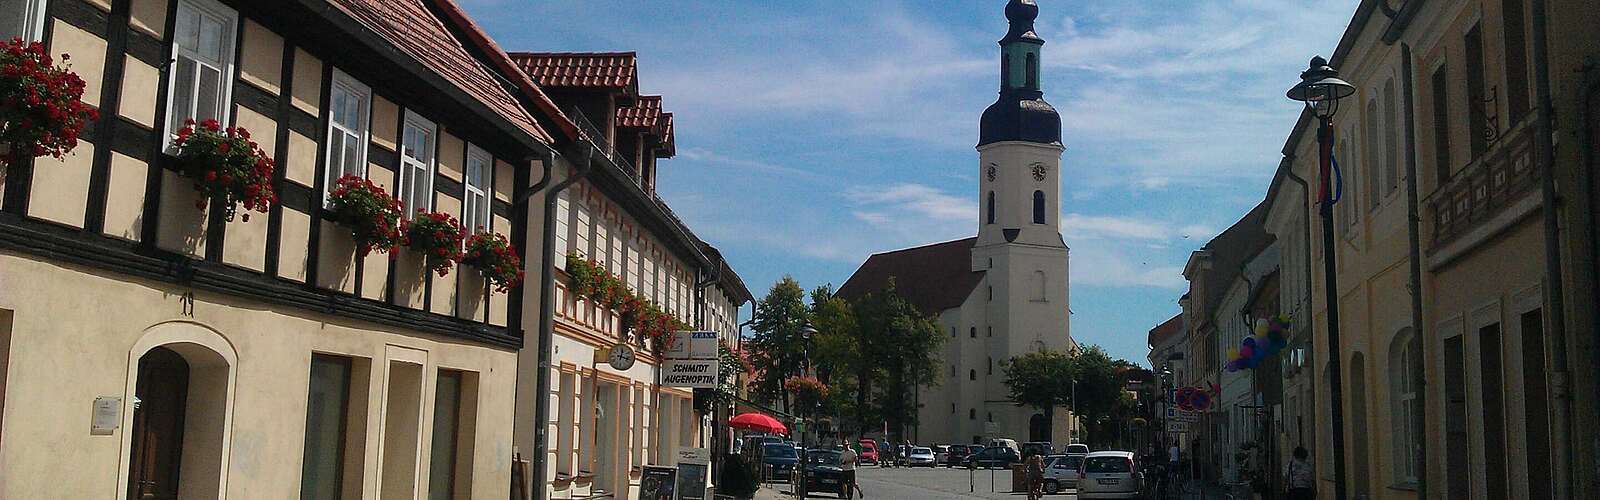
<point>1038,427</point>
<point>161,393</point>
<point>178,412</point>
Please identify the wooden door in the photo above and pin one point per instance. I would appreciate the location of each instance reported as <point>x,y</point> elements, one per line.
<point>162,391</point>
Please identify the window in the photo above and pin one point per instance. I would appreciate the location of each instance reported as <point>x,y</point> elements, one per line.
<point>952,408</point>
<point>1391,140</point>
<point>29,26</point>
<point>1038,207</point>
<point>1347,196</point>
<point>972,374</point>
<point>1033,70</point>
<point>1405,362</point>
<point>991,414</point>
<point>952,371</point>
<point>348,101</point>
<point>991,292</point>
<point>416,164</point>
<point>991,366</point>
<point>446,425</point>
<point>1441,125</point>
<point>1039,287</point>
<point>1005,71</point>
<point>1494,417</point>
<point>952,332</point>
<point>972,414</point>
<point>1516,58</point>
<point>327,410</point>
<point>990,209</point>
<point>974,332</point>
<point>1477,109</point>
<point>202,48</point>
<point>1373,141</point>
<point>475,215</point>
<point>991,330</point>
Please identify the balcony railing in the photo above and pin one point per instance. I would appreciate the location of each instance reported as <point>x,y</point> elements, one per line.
<point>1493,182</point>
<point>601,142</point>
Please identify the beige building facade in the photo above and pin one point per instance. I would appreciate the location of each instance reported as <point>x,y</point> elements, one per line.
<point>1486,388</point>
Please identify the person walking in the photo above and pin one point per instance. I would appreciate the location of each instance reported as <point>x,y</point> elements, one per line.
<point>1297,476</point>
<point>847,461</point>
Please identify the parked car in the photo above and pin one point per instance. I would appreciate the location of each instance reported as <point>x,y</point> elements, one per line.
<point>1077,449</point>
<point>993,456</point>
<point>869,452</point>
<point>778,460</point>
<point>1032,448</point>
<point>1008,443</point>
<point>957,455</point>
<point>1109,474</point>
<point>825,473</point>
<point>1061,472</point>
<point>941,453</point>
<point>920,456</point>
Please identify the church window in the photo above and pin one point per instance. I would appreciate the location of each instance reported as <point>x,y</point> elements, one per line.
<point>1038,207</point>
<point>952,408</point>
<point>991,330</point>
<point>991,366</point>
<point>1005,71</point>
<point>952,332</point>
<point>991,292</point>
<point>1039,286</point>
<point>990,209</point>
<point>972,413</point>
<point>974,332</point>
<point>972,374</point>
<point>1033,70</point>
<point>991,416</point>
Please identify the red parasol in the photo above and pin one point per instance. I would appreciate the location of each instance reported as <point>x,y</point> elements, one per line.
<point>758,422</point>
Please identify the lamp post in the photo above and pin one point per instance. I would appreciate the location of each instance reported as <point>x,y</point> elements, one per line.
<point>1321,89</point>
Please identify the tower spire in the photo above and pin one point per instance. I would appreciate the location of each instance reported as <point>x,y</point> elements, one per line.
<point>1020,114</point>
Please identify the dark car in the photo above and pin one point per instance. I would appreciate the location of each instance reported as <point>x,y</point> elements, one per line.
<point>1037,448</point>
<point>825,473</point>
<point>994,456</point>
<point>777,461</point>
<point>957,455</point>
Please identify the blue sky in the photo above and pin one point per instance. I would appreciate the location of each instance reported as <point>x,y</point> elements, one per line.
<point>813,134</point>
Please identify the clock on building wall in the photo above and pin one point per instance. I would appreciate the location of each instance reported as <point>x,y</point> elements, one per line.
<point>993,172</point>
<point>1039,170</point>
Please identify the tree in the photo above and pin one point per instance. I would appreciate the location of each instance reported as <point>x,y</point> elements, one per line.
<point>1041,380</point>
<point>902,342</point>
<point>778,345</point>
<point>1100,390</point>
<point>839,359</point>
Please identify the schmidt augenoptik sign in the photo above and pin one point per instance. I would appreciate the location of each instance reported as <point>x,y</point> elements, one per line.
<point>690,361</point>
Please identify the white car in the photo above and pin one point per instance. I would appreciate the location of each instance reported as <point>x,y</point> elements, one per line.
<point>941,453</point>
<point>1109,474</point>
<point>1061,473</point>
<point>920,455</point>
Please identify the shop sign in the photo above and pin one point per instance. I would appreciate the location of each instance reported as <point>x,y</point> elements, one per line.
<point>689,373</point>
<point>658,483</point>
<point>694,466</point>
<point>691,345</point>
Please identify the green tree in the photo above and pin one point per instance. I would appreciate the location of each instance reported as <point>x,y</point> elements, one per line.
<point>839,359</point>
<point>1100,391</point>
<point>902,342</point>
<point>1041,380</point>
<point>778,349</point>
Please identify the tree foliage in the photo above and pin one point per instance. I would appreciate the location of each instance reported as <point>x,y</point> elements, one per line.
<point>778,346</point>
<point>903,343</point>
<point>1046,379</point>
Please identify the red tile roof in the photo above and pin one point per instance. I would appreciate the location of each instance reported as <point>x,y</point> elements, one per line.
<point>933,277</point>
<point>410,27</point>
<point>507,68</point>
<point>644,113</point>
<point>617,70</point>
<point>1166,330</point>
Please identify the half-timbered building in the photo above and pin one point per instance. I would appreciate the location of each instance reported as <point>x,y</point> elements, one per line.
<point>152,348</point>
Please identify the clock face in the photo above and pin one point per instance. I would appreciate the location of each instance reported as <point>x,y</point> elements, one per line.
<point>993,172</point>
<point>621,357</point>
<point>1039,171</point>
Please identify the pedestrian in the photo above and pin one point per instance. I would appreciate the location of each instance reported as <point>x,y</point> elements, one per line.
<point>1297,476</point>
<point>847,461</point>
<point>1035,473</point>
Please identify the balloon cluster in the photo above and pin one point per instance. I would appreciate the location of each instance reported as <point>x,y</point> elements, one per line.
<point>1268,340</point>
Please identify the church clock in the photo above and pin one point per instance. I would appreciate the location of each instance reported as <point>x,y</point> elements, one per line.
<point>1039,171</point>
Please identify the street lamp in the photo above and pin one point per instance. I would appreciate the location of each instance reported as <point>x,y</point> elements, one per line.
<point>1321,89</point>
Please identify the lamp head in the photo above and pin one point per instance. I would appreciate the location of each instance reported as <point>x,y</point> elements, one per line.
<point>1321,88</point>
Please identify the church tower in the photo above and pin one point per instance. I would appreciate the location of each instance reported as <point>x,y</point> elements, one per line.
<point>1019,245</point>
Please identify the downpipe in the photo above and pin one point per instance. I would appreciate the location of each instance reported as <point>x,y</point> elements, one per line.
<point>547,301</point>
<point>1544,148</point>
<point>1414,237</point>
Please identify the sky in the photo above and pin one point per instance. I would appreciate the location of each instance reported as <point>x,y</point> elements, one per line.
<point>811,135</point>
